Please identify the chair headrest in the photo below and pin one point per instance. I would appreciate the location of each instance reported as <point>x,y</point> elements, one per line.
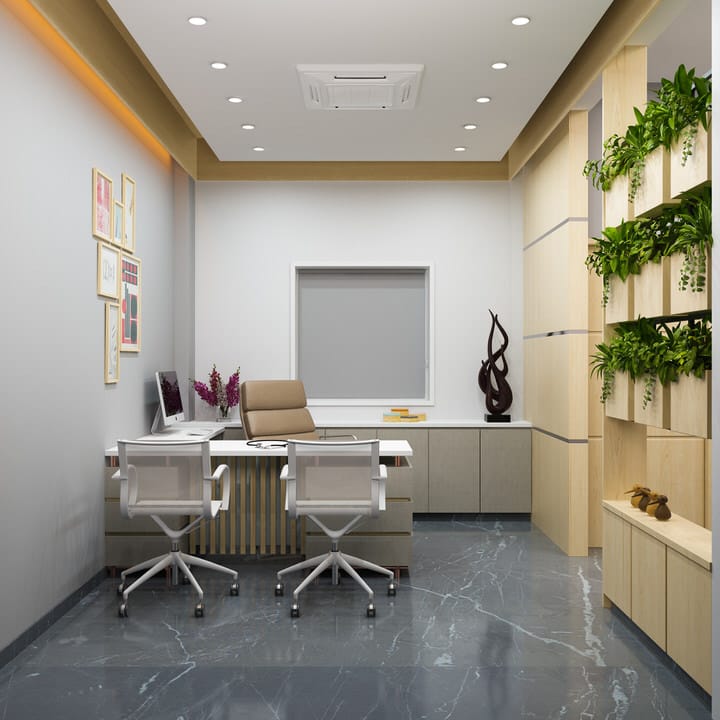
<point>272,395</point>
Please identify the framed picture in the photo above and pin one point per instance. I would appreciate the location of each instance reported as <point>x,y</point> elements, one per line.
<point>102,206</point>
<point>112,342</point>
<point>130,284</point>
<point>118,223</point>
<point>129,191</point>
<point>108,271</point>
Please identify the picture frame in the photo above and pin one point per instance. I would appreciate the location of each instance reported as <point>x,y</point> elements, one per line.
<point>129,199</point>
<point>108,271</point>
<point>102,205</point>
<point>112,342</point>
<point>118,223</point>
<point>130,303</point>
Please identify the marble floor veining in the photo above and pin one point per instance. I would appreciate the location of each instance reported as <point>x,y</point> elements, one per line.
<point>493,622</point>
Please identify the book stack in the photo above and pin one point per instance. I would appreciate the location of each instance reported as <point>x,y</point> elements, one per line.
<point>403,415</point>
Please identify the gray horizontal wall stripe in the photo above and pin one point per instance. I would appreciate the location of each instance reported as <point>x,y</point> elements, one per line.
<point>569,441</point>
<point>553,229</point>
<point>555,332</point>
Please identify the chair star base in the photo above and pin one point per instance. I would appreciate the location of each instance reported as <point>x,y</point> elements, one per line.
<point>335,561</point>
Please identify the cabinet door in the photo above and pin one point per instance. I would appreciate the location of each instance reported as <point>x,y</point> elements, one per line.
<point>648,585</point>
<point>418,439</point>
<point>616,561</point>
<point>505,471</point>
<point>454,470</point>
<point>689,617</point>
<point>340,434</point>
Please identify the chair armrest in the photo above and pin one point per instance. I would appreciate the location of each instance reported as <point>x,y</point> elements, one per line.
<point>290,490</point>
<point>222,472</point>
<point>378,488</point>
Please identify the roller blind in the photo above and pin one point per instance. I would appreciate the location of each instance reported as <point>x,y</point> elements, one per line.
<point>362,333</point>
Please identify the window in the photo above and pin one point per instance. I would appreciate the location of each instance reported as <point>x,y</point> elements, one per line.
<point>362,334</point>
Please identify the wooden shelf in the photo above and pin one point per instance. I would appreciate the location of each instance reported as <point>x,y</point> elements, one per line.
<point>687,538</point>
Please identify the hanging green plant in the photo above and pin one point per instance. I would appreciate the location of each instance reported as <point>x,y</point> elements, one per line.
<point>693,219</point>
<point>682,104</point>
<point>654,352</point>
<point>687,100</point>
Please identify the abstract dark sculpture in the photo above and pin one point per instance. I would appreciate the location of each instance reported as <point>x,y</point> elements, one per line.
<point>491,378</point>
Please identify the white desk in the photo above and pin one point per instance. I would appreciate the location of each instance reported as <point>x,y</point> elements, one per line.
<point>256,521</point>
<point>241,448</point>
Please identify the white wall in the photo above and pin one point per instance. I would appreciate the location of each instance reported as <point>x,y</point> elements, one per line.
<point>57,413</point>
<point>248,235</point>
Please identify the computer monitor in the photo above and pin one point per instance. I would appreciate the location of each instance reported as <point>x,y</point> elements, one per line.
<point>171,407</point>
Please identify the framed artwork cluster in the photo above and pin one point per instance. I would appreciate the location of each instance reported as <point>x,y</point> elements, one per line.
<point>118,267</point>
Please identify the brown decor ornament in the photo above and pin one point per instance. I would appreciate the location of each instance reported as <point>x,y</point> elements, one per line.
<point>644,500</point>
<point>491,378</point>
<point>637,493</point>
<point>662,511</point>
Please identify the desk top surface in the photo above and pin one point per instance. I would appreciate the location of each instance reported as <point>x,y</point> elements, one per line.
<point>241,448</point>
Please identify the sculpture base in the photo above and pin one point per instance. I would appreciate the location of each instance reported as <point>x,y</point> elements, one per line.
<point>497,418</point>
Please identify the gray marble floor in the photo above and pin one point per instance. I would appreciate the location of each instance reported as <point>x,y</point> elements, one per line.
<point>492,622</point>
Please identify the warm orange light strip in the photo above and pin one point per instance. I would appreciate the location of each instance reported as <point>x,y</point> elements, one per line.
<point>71,59</point>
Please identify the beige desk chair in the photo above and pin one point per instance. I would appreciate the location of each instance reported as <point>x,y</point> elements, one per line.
<point>275,410</point>
<point>170,479</point>
<point>343,483</point>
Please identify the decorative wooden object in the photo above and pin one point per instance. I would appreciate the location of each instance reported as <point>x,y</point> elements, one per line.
<point>685,301</point>
<point>690,405</point>
<point>620,403</point>
<point>618,206</point>
<point>620,302</point>
<point>657,410</point>
<point>651,290</point>
<point>698,167</point>
<point>654,191</point>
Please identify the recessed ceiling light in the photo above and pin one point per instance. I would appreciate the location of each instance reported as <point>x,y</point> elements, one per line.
<point>483,99</point>
<point>520,20</point>
<point>460,149</point>
<point>470,126</point>
<point>259,149</point>
<point>235,99</point>
<point>247,126</point>
<point>197,20</point>
<point>217,65</point>
<point>499,65</point>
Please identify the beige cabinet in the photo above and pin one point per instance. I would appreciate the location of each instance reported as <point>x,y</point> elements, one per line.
<point>659,574</point>
<point>454,469</point>
<point>418,473</point>
<point>616,562</point>
<point>648,581</point>
<point>505,470</point>
<point>689,617</point>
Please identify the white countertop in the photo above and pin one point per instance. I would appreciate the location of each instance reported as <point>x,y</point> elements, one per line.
<point>425,424</point>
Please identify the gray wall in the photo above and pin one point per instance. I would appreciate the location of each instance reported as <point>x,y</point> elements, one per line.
<point>57,413</point>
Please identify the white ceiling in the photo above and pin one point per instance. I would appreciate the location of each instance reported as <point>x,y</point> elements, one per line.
<point>263,41</point>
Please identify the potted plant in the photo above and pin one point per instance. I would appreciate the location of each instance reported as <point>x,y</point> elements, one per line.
<point>691,355</point>
<point>690,251</point>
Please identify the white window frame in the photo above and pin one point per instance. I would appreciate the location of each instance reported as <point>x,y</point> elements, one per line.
<point>427,268</point>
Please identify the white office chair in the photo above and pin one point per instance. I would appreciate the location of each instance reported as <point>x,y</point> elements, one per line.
<point>334,480</point>
<point>170,479</point>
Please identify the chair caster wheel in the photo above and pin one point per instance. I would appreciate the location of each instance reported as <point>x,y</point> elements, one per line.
<point>122,610</point>
<point>199,610</point>
<point>234,589</point>
<point>392,589</point>
<point>121,588</point>
<point>371,610</point>
<point>295,611</point>
<point>279,590</point>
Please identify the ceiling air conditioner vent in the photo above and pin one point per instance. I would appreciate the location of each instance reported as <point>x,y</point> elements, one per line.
<point>360,87</point>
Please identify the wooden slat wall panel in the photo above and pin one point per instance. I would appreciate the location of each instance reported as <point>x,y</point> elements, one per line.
<point>256,521</point>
